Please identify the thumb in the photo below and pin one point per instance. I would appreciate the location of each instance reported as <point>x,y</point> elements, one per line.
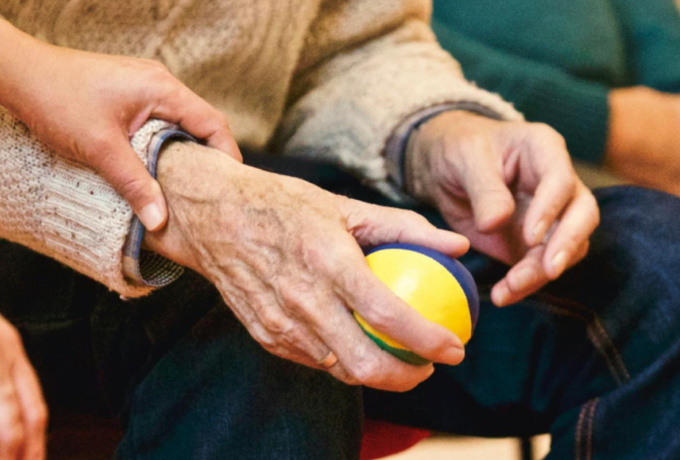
<point>492,203</point>
<point>120,166</point>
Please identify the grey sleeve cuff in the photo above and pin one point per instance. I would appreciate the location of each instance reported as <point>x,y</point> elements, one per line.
<point>141,267</point>
<point>395,147</point>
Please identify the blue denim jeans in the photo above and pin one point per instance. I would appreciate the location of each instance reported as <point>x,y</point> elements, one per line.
<point>593,359</point>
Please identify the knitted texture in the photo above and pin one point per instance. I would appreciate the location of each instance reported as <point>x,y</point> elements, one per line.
<point>330,79</point>
<point>61,208</point>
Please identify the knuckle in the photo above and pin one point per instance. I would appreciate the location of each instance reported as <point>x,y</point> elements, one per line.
<point>594,210</point>
<point>314,253</point>
<point>132,188</point>
<point>366,371</point>
<point>96,149</point>
<point>329,258</point>
<point>222,120</point>
<point>382,318</point>
<point>156,65</point>
<point>416,218</point>
<point>274,321</point>
<point>12,437</point>
<point>261,336</point>
<point>266,341</point>
<point>597,216</point>
<point>438,346</point>
<point>36,418</point>
<point>165,86</point>
<point>294,295</point>
<point>543,130</point>
<point>10,334</point>
<point>342,252</point>
<point>295,338</point>
<point>101,150</point>
<point>349,380</point>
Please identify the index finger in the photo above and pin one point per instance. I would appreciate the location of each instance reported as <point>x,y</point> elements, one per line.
<point>386,312</point>
<point>576,226</point>
<point>363,359</point>
<point>555,190</point>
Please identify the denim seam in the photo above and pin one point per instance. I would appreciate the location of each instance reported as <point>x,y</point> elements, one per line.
<point>597,335</point>
<point>591,417</point>
<point>598,344</point>
<point>585,421</point>
<point>579,429</point>
<point>592,335</point>
<point>598,324</point>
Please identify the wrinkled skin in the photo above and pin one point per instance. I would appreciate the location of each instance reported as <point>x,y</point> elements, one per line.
<point>511,189</point>
<point>287,258</point>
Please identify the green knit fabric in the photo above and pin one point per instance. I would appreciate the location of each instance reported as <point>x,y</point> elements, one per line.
<point>556,60</point>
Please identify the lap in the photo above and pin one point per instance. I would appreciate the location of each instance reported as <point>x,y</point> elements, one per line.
<point>182,362</point>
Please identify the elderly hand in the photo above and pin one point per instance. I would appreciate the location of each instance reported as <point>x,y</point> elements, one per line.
<point>511,189</point>
<point>87,106</point>
<point>286,257</point>
<point>23,414</point>
<point>644,137</point>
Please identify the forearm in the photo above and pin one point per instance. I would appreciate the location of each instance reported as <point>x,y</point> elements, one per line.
<point>16,56</point>
<point>63,209</point>
<point>193,179</point>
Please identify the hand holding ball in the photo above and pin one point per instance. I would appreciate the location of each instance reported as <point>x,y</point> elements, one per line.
<point>438,287</point>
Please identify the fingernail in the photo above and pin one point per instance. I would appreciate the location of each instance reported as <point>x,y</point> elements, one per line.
<point>559,263</point>
<point>539,232</point>
<point>151,217</point>
<point>523,278</point>
<point>453,355</point>
<point>500,296</point>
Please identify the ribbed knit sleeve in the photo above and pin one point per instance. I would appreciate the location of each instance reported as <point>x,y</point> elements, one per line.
<point>63,209</point>
<point>577,108</point>
<point>367,67</point>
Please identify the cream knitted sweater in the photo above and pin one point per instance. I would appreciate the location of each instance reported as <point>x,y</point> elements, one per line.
<point>322,78</point>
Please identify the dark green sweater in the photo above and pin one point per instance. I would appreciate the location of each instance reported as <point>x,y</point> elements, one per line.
<point>556,60</point>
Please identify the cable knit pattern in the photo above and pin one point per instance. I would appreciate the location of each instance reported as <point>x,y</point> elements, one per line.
<point>323,78</point>
<point>61,208</point>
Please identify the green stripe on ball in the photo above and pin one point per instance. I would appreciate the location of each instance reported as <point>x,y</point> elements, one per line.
<point>404,355</point>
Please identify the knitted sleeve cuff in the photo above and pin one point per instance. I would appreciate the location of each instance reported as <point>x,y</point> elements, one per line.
<point>141,267</point>
<point>63,209</point>
<point>396,146</point>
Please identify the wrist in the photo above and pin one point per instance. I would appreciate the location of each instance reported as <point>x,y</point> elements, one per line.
<point>427,148</point>
<point>629,112</point>
<point>192,178</point>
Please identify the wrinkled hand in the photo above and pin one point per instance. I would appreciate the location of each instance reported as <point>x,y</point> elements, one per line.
<point>23,414</point>
<point>286,257</point>
<point>644,137</point>
<point>511,189</point>
<point>86,107</point>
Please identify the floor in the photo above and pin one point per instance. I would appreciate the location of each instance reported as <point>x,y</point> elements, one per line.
<point>444,448</point>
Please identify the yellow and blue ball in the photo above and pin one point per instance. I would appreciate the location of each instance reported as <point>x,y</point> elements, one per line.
<point>438,287</point>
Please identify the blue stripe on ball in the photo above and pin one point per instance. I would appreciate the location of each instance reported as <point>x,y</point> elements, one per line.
<point>457,270</point>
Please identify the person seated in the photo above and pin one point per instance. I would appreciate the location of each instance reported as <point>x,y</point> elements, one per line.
<point>254,352</point>
<point>603,73</point>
